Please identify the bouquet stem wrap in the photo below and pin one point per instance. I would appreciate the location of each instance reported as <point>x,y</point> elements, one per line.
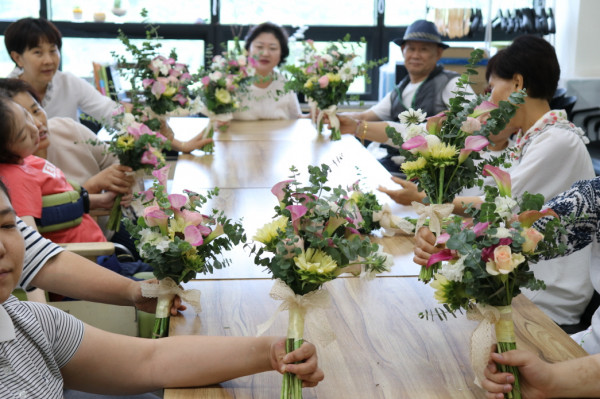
<point>209,131</point>
<point>307,307</point>
<point>331,113</point>
<point>314,109</point>
<point>492,319</point>
<point>165,290</point>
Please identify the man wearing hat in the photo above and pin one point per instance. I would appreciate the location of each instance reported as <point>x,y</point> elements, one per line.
<point>427,86</point>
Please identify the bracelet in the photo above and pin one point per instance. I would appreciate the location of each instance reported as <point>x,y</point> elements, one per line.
<point>364,133</point>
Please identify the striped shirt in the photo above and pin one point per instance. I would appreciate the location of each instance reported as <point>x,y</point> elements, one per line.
<point>37,252</point>
<point>36,341</point>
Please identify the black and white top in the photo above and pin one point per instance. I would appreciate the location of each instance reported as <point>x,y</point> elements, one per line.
<point>36,341</point>
<point>37,252</point>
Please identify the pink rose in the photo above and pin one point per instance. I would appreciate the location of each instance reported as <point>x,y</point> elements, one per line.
<point>471,125</point>
<point>504,261</point>
<point>532,238</point>
<point>323,81</point>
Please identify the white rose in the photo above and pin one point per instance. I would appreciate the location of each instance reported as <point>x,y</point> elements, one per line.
<point>413,131</point>
<point>504,206</point>
<point>502,232</point>
<point>453,271</point>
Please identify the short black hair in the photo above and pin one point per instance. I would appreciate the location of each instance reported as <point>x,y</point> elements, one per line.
<point>277,31</point>
<point>533,58</point>
<point>7,131</point>
<point>12,87</point>
<point>29,33</point>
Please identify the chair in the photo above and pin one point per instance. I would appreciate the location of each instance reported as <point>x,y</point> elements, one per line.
<point>589,120</point>
<point>565,102</point>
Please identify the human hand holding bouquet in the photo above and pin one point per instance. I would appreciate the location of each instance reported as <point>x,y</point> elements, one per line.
<point>219,86</point>
<point>486,264</point>
<point>324,78</point>
<point>313,239</point>
<point>444,158</point>
<point>136,146</point>
<point>179,241</point>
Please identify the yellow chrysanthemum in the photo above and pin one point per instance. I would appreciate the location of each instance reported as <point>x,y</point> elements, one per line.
<point>268,232</point>
<point>125,141</point>
<point>411,167</point>
<point>223,96</point>
<point>442,151</point>
<point>333,77</point>
<point>315,261</point>
<point>441,285</point>
<point>356,196</point>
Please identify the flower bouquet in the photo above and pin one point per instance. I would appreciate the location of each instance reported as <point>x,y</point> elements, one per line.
<point>443,156</point>
<point>136,146</point>
<point>486,263</point>
<point>313,239</point>
<point>219,85</point>
<point>179,241</point>
<point>324,79</point>
<point>159,85</point>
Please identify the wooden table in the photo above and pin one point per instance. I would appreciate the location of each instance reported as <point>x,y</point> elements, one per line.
<point>383,350</point>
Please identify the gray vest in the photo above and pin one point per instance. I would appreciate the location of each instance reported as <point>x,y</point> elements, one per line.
<point>428,96</point>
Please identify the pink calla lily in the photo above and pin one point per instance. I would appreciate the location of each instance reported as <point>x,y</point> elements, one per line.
<point>480,228</point>
<point>149,158</point>
<point>434,123</point>
<point>501,177</point>
<point>191,218</point>
<point>482,108</point>
<point>154,216</point>
<point>528,218</point>
<point>177,200</point>
<point>162,175</point>
<point>147,83</point>
<point>442,238</point>
<point>297,212</point>
<point>415,142</point>
<point>472,143</point>
<point>278,189</point>
<point>444,254</point>
<point>193,236</point>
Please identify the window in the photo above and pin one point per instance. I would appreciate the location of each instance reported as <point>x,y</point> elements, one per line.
<point>11,10</point>
<point>313,12</point>
<point>184,12</point>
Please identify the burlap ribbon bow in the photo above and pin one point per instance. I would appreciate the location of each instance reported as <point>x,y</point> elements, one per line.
<point>331,113</point>
<point>390,222</point>
<point>168,288</point>
<point>483,337</point>
<point>314,303</point>
<point>435,212</point>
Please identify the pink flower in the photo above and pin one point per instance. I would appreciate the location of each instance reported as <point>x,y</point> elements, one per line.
<point>532,238</point>
<point>444,254</point>
<point>192,218</point>
<point>297,212</point>
<point>483,108</point>
<point>193,236</point>
<point>148,158</point>
<point>472,143</point>
<point>442,238</point>
<point>501,177</point>
<point>158,88</point>
<point>182,100</point>
<point>471,125</point>
<point>147,82</point>
<point>487,254</point>
<point>177,200</point>
<point>205,80</point>
<point>162,175</point>
<point>480,228</point>
<point>434,123</point>
<point>323,81</point>
<point>278,189</point>
<point>416,142</point>
<point>154,216</point>
<point>504,261</point>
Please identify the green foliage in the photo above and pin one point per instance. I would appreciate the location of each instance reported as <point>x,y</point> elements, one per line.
<point>321,219</point>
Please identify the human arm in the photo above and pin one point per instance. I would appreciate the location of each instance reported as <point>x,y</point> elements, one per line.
<point>91,101</point>
<point>110,363</point>
<point>576,378</point>
<point>195,143</point>
<point>74,276</point>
